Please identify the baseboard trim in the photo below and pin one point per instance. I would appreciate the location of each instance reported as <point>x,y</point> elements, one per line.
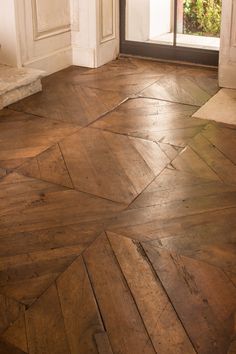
<point>52,62</point>
<point>83,57</point>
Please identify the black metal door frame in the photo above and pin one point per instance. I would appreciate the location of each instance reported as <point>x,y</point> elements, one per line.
<point>162,51</point>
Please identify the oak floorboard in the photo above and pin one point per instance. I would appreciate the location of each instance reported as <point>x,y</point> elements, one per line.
<point>80,312</point>
<point>164,327</point>
<point>99,161</point>
<point>23,136</point>
<point>155,120</point>
<point>192,90</point>
<point>34,205</point>
<point>123,323</point>
<point>112,166</point>
<point>189,161</point>
<point>45,325</point>
<point>211,156</point>
<point>202,295</point>
<point>16,334</point>
<point>6,348</point>
<point>103,344</point>
<point>43,228</point>
<point>223,137</point>
<point>10,310</point>
<point>49,166</point>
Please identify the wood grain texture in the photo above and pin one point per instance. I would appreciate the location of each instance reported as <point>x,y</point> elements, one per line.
<point>6,348</point>
<point>45,233</point>
<point>202,295</point>
<point>45,325</point>
<point>10,310</point>
<point>154,120</point>
<point>183,88</point>
<point>16,334</point>
<point>49,166</point>
<point>23,136</point>
<point>117,232</point>
<point>118,309</point>
<point>80,312</point>
<point>103,344</point>
<point>111,165</point>
<point>164,327</point>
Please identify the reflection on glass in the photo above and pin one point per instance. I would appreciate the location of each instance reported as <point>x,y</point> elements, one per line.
<point>198,23</point>
<point>150,21</point>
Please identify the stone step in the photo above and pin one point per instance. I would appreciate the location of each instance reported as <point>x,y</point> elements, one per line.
<point>18,83</point>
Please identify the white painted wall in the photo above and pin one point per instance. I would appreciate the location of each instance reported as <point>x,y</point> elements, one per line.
<point>137,20</point>
<point>9,51</point>
<point>53,34</point>
<point>95,36</point>
<point>160,17</point>
<point>227,67</point>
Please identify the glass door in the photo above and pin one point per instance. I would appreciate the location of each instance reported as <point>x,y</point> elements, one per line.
<point>179,30</point>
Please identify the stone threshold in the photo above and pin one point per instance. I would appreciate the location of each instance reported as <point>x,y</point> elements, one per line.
<point>18,83</point>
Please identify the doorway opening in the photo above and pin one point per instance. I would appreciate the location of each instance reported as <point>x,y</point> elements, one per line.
<point>182,30</point>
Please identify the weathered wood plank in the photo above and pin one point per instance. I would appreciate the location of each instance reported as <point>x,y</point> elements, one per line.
<point>202,295</point>
<point>80,312</point>
<point>123,323</point>
<point>45,326</point>
<point>163,325</point>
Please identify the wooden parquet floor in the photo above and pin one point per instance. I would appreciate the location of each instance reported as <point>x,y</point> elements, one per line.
<point>118,215</point>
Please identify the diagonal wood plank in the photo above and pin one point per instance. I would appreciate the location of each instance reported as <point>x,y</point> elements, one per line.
<point>6,348</point>
<point>154,120</point>
<point>23,136</point>
<point>200,237</point>
<point>223,137</point>
<point>189,161</point>
<point>212,157</point>
<point>48,166</point>
<point>123,323</point>
<point>45,326</point>
<point>161,321</point>
<point>202,295</point>
<point>193,90</point>
<point>103,344</point>
<point>43,228</point>
<point>112,166</point>
<point>80,312</point>
<point>16,334</point>
<point>10,310</point>
<point>35,205</point>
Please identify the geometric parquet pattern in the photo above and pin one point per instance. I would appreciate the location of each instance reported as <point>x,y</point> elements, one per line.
<point>118,215</point>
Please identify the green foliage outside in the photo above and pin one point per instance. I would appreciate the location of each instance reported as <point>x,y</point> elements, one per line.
<point>202,17</point>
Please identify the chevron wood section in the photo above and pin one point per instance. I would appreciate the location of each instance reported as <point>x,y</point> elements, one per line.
<point>150,298</point>
<point>156,120</point>
<point>105,164</point>
<point>179,87</point>
<point>80,97</point>
<point>163,203</point>
<point>44,227</point>
<point>128,76</point>
<point>23,136</point>
<point>117,305</point>
<point>70,103</point>
<point>203,297</point>
<point>49,166</point>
